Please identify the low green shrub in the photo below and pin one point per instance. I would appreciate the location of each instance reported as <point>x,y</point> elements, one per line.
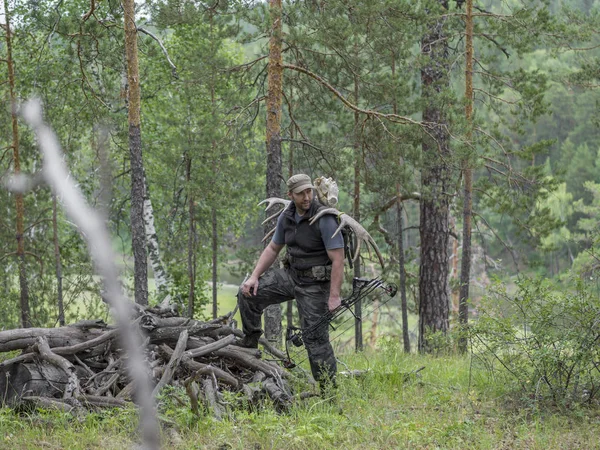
<point>543,340</point>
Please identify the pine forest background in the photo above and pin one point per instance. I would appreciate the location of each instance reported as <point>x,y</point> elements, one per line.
<point>376,94</point>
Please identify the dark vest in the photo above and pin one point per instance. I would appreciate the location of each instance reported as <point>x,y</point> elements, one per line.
<point>304,243</point>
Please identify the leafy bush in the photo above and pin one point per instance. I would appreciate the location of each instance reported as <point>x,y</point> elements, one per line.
<point>543,339</point>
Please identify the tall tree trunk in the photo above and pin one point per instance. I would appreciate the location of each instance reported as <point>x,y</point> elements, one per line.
<point>358,333</point>
<point>161,276</point>
<point>138,232</point>
<point>191,257</point>
<point>273,331</point>
<point>58,265</point>
<point>214,212</point>
<point>454,273</point>
<point>400,221</point>
<point>401,268</point>
<point>465,267</point>
<point>289,311</point>
<point>435,180</point>
<point>215,261</point>
<point>20,207</point>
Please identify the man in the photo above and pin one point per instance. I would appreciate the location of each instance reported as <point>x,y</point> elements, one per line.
<point>313,275</point>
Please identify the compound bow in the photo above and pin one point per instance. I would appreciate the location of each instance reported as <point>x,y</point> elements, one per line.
<point>361,288</point>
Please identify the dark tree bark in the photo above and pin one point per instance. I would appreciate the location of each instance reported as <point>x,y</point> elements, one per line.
<point>20,207</point>
<point>214,211</point>
<point>401,268</point>
<point>138,232</point>
<point>215,261</point>
<point>289,311</point>
<point>58,265</point>
<point>191,257</point>
<point>400,221</point>
<point>358,333</point>
<point>435,179</point>
<point>465,267</point>
<point>273,330</point>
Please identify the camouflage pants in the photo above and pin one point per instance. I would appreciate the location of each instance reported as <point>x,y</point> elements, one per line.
<point>278,286</point>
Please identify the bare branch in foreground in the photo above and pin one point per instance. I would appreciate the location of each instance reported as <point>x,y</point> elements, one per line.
<point>93,230</point>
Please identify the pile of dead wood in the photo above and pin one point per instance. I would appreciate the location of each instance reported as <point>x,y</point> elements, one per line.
<point>83,366</point>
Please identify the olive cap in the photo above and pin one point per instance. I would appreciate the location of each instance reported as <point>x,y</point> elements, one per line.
<point>298,183</point>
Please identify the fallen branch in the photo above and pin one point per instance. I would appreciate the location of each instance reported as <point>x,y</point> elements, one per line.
<point>173,362</point>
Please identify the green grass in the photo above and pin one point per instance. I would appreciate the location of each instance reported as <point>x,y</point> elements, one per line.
<point>446,406</point>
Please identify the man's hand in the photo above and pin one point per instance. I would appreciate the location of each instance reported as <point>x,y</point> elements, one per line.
<point>250,286</point>
<point>267,257</point>
<point>334,302</point>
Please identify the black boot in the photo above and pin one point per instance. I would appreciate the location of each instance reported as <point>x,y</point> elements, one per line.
<point>249,340</point>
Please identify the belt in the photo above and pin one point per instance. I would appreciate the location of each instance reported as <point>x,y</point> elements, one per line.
<point>308,273</point>
<point>316,273</point>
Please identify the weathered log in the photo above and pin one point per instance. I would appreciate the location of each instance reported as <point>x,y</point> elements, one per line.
<point>209,348</point>
<point>192,391</point>
<point>102,401</point>
<point>88,349</point>
<point>83,366</point>
<point>24,358</point>
<point>164,310</point>
<point>85,346</point>
<point>238,355</point>
<point>254,390</point>
<point>111,369</point>
<point>23,338</point>
<point>67,405</point>
<point>171,334</point>
<point>108,385</point>
<point>212,399</point>
<point>173,362</point>
<point>41,402</point>
<point>31,379</point>
<point>88,364</point>
<point>280,397</point>
<point>269,348</point>
<point>199,368</point>
<point>126,392</point>
<point>72,388</point>
<point>150,322</point>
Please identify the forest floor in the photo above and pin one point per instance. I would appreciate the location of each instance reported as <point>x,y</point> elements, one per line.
<point>450,404</point>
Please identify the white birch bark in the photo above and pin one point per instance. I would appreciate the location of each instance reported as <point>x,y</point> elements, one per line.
<point>161,276</point>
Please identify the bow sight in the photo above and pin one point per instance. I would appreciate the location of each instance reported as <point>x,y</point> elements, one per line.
<point>361,288</point>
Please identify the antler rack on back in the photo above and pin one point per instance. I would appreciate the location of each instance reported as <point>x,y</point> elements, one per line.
<point>358,234</point>
<point>361,288</point>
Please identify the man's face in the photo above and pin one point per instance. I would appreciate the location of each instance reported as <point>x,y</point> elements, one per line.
<point>302,200</point>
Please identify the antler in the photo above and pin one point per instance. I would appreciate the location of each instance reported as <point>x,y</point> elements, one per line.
<point>272,201</point>
<point>361,234</point>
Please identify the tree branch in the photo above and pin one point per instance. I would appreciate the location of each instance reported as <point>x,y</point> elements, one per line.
<point>94,231</point>
<point>391,117</point>
<point>173,67</point>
